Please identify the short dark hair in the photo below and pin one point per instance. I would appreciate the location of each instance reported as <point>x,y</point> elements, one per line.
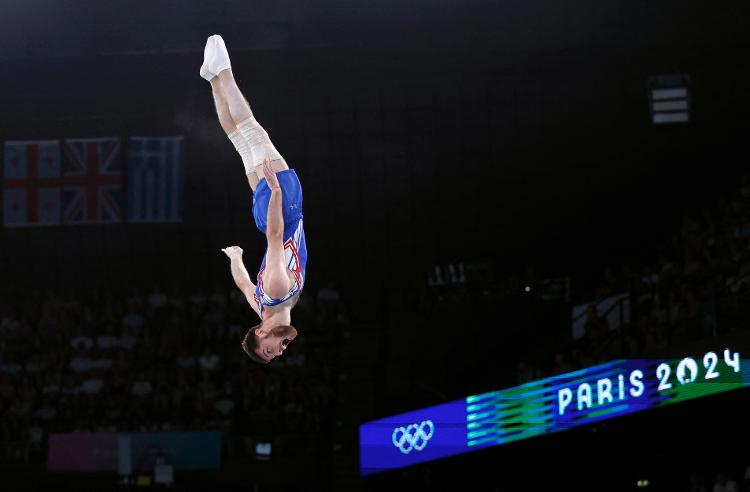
<point>250,343</point>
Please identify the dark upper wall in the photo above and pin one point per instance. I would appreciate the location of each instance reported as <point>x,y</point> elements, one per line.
<point>54,28</point>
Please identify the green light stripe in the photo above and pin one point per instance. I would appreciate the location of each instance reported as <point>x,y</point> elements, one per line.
<point>606,411</point>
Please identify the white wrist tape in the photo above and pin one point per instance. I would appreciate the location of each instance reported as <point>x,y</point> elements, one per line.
<point>258,142</point>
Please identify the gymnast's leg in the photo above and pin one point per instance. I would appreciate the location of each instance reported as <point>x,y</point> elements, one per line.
<point>255,137</point>
<point>222,110</point>
<point>227,123</point>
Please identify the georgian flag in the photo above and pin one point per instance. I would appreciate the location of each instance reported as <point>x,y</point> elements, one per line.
<point>31,189</point>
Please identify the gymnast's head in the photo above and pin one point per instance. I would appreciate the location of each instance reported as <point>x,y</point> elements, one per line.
<point>262,344</point>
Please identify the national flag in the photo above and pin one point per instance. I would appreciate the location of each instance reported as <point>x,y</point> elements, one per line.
<point>92,181</point>
<point>31,190</point>
<point>155,179</point>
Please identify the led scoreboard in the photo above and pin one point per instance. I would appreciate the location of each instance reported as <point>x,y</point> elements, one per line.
<point>542,407</point>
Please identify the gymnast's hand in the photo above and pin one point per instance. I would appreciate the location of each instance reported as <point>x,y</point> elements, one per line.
<point>233,252</point>
<point>270,174</point>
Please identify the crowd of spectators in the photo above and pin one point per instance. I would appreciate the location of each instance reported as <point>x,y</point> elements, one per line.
<point>697,289</point>
<point>721,481</point>
<point>156,361</point>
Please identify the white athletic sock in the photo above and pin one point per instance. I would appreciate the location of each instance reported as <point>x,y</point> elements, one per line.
<point>258,142</point>
<point>215,57</point>
<point>241,145</point>
<point>220,57</point>
<point>208,54</point>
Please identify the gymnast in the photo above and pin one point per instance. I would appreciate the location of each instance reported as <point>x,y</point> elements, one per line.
<point>277,210</point>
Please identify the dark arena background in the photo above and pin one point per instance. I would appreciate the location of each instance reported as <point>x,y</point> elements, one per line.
<point>528,228</point>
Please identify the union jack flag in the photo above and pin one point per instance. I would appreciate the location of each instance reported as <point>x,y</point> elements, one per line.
<point>92,181</point>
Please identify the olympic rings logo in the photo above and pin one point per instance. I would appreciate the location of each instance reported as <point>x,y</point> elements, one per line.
<point>414,436</point>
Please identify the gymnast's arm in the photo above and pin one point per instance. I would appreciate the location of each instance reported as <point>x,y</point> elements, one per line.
<point>276,281</point>
<point>240,275</point>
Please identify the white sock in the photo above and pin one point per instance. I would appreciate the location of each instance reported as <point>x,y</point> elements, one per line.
<point>207,55</point>
<point>258,142</point>
<point>241,145</point>
<point>220,59</point>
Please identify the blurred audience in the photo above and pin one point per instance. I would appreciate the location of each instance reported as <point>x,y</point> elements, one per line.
<point>160,361</point>
<point>694,483</point>
<point>724,484</point>
<point>696,290</point>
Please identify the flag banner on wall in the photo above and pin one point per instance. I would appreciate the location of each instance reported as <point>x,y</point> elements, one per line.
<point>31,184</point>
<point>155,176</point>
<point>92,181</point>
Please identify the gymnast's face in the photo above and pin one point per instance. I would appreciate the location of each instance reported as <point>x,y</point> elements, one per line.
<point>273,344</point>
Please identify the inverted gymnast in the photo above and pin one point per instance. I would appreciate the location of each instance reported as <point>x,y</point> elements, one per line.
<point>277,210</point>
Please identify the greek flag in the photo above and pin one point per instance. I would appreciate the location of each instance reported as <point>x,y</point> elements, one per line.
<point>154,182</point>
